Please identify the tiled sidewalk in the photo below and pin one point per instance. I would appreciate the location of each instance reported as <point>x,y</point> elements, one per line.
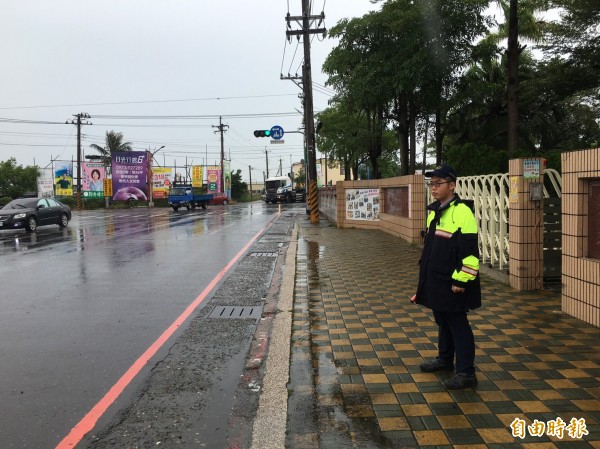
<point>357,344</point>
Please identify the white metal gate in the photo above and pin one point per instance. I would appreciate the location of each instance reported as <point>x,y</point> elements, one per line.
<point>491,196</point>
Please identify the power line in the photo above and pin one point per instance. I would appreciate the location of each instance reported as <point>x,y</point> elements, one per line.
<point>147,101</point>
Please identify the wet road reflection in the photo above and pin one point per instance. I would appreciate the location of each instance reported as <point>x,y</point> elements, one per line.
<point>80,304</point>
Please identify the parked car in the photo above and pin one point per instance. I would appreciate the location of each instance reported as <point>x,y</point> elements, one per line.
<point>29,213</point>
<point>219,198</point>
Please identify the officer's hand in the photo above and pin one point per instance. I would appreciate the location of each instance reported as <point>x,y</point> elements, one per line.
<point>456,289</point>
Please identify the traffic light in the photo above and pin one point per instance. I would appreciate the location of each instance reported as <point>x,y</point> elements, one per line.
<point>262,133</point>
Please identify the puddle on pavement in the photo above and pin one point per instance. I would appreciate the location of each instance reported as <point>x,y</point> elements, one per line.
<point>317,408</point>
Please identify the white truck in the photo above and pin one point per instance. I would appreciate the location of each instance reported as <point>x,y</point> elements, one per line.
<point>279,190</point>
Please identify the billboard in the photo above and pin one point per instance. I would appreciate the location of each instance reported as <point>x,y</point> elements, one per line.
<point>130,175</point>
<point>227,176</point>
<point>63,178</point>
<point>162,179</point>
<point>197,175</point>
<point>213,178</point>
<point>92,174</point>
<point>45,183</point>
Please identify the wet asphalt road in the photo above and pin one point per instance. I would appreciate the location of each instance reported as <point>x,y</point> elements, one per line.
<point>80,304</point>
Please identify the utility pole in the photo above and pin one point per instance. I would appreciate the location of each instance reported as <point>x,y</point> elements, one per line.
<point>267,158</point>
<point>250,173</point>
<point>77,121</point>
<point>221,129</point>
<point>306,21</point>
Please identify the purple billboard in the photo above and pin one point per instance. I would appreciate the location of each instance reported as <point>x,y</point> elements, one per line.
<point>130,176</point>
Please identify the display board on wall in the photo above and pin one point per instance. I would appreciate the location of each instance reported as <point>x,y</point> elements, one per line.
<point>362,204</point>
<point>397,201</point>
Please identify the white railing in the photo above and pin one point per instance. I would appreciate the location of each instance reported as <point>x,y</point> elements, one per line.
<point>491,196</point>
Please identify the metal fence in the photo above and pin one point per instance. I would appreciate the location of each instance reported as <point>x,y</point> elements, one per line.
<point>491,196</point>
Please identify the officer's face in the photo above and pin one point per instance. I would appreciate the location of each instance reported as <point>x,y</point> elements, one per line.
<point>441,189</point>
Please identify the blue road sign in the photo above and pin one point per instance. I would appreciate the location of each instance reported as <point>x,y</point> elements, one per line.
<point>277,132</point>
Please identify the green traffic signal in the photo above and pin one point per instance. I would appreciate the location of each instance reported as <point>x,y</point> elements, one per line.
<point>262,133</point>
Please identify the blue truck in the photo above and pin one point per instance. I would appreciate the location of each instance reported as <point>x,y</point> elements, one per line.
<point>188,197</point>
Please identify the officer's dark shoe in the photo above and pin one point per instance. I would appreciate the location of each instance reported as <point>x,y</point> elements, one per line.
<point>436,365</point>
<point>460,381</point>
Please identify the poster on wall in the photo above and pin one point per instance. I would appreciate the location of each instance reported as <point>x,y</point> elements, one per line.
<point>362,204</point>
<point>531,169</point>
<point>162,179</point>
<point>93,175</point>
<point>130,176</point>
<point>213,178</point>
<point>63,178</point>
<point>45,183</point>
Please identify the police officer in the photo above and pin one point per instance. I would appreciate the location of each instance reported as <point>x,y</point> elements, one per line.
<point>449,278</point>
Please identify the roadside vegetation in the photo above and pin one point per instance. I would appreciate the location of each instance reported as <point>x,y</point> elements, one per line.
<point>469,89</point>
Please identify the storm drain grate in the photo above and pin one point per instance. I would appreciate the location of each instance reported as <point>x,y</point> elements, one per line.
<point>276,238</point>
<point>239,312</point>
<point>263,254</point>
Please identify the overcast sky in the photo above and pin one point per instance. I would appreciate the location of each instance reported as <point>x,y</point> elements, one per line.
<point>153,57</point>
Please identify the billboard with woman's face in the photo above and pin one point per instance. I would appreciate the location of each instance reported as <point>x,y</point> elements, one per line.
<point>93,179</point>
<point>130,176</point>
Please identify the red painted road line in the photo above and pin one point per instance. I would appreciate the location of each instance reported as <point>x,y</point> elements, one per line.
<point>89,421</point>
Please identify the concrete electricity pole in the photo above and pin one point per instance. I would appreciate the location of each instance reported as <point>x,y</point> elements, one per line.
<point>250,173</point>
<point>77,121</point>
<point>221,128</point>
<point>306,21</point>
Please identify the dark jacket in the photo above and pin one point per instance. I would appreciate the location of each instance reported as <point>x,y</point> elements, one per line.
<point>450,257</point>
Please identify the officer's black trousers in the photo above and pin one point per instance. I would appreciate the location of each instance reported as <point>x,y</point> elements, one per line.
<point>455,336</point>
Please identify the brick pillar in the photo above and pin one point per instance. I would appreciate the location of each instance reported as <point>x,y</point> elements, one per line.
<point>340,204</point>
<point>526,225</point>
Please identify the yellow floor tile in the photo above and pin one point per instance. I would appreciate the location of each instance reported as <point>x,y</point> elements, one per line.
<point>587,405</point>
<point>532,406</point>
<point>388,424</point>
<point>416,410</point>
<point>436,398</point>
<point>405,388</point>
<point>431,437</point>
<point>454,422</point>
<point>384,399</point>
<point>375,378</point>
<point>496,436</point>
<point>546,395</point>
<point>474,408</point>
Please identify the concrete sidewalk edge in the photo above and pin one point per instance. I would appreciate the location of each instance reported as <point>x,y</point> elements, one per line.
<point>269,430</point>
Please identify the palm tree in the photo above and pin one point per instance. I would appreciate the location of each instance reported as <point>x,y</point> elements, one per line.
<point>113,144</point>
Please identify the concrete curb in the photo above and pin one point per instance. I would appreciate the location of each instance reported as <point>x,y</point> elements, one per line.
<point>270,425</point>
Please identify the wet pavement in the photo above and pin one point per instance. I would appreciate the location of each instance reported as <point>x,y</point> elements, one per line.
<point>81,304</point>
<point>357,343</point>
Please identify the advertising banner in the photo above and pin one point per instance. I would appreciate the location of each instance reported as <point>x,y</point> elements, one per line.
<point>362,204</point>
<point>227,180</point>
<point>130,176</point>
<point>93,175</point>
<point>319,175</point>
<point>162,179</point>
<point>197,175</point>
<point>63,178</point>
<point>45,183</point>
<point>213,178</point>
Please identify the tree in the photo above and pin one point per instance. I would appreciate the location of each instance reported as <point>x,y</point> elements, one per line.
<point>300,178</point>
<point>16,180</point>
<point>239,189</point>
<point>113,144</point>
